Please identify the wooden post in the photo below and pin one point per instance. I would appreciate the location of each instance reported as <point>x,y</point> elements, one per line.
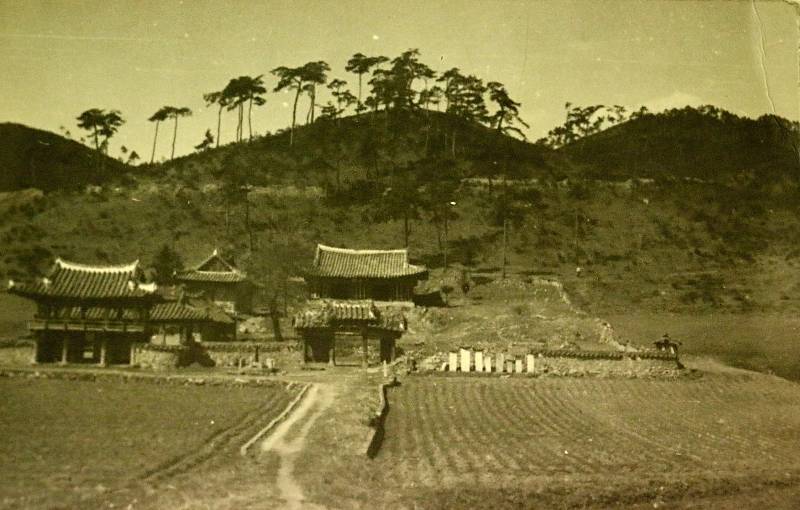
<point>332,352</point>
<point>364,347</point>
<point>104,351</point>
<point>303,350</point>
<point>36,341</point>
<point>393,349</point>
<point>64,349</point>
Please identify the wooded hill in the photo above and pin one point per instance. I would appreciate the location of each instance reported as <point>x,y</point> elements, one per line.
<point>717,226</point>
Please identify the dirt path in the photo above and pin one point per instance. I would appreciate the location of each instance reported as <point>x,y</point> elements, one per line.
<point>318,398</point>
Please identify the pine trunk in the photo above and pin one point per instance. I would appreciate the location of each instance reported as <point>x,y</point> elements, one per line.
<point>358,113</point>
<point>294,116</point>
<point>219,123</point>
<point>250,119</point>
<point>155,139</point>
<point>174,137</point>
<point>405,228</point>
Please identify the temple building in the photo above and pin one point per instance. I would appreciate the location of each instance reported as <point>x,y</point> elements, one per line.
<point>96,313</point>
<point>379,275</point>
<point>324,322</point>
<point>357,295</point>
<point>221,282</point>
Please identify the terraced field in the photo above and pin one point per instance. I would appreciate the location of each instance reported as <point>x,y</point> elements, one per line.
<point>575,442</point>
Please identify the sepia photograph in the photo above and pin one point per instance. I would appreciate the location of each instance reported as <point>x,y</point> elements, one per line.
<point>415,254</point>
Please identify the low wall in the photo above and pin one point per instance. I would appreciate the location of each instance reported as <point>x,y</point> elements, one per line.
<point>16,352</point>
<point>159,357</point>
<point>230,354</point>
<point>564,363</point>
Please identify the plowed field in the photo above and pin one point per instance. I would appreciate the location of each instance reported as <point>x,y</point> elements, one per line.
<point>73,443</point>
<point>585,441</point>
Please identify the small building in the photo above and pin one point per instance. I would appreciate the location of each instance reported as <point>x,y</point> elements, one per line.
<point>220,282</point>
<point>378,275</point>
<point>324,322</point>
<point>95,314</point>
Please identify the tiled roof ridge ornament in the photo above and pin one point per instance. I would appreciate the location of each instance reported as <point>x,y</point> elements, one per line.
<point>144,287</point>
<point>74,266</point>
<point>355,251</point>
<point>46,282</point>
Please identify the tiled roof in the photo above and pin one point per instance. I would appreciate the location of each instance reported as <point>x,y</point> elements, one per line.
<point>80,281</point>
<point>211,276</point>
<point>346,263</point>
<point>174,311</point>
<point>213,269</point>
<point>95,313</point>
<point>332,313</point>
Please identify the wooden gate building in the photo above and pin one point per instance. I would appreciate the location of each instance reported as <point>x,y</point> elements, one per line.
<point>93,313</point>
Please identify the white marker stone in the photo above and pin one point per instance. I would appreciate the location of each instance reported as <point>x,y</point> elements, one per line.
<point>479,361</point>
<point>501,362</point>
<point>452,364</point>
<point>465,360</point>
<point>518,365</point>
<point>531,359</point>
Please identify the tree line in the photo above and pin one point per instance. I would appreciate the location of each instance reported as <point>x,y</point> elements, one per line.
<point>391,85</point>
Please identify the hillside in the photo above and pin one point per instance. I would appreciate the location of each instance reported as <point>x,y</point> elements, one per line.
<point>705,143</point>
<point>668,244</point>
<point>32,158</point>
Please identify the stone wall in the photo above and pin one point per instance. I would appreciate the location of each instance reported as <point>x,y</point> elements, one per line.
<point>16,353</point>
<point>231,354</point>
<point>159,357</point>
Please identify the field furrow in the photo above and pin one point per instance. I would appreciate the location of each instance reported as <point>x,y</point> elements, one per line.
<point>518,427</point>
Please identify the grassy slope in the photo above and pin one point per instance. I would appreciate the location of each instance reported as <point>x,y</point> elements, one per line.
<point>670,244</point>
<point>35,158</point>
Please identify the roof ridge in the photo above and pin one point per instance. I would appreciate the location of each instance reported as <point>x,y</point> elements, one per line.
<point>216,255</point>
<point>75,266</point>
<point>360,251</point>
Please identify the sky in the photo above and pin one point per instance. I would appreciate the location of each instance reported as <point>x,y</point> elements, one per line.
<point>59,58</point>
